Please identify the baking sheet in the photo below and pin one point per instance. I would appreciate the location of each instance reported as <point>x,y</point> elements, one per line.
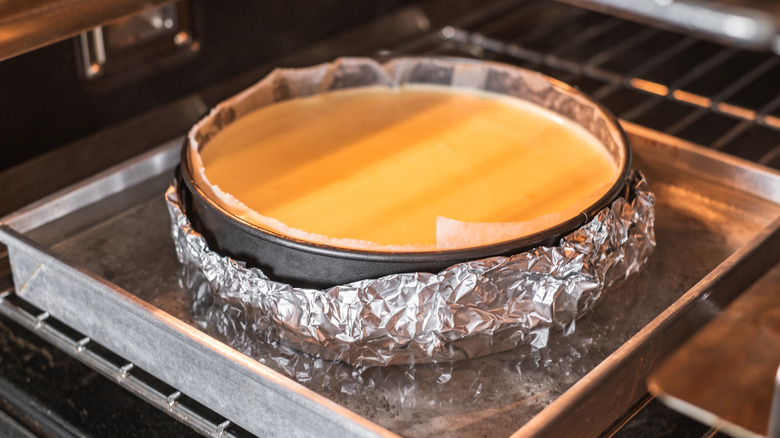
<point>714,215</point>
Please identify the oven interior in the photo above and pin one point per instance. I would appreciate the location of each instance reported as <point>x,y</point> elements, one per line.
<point>697,87</point>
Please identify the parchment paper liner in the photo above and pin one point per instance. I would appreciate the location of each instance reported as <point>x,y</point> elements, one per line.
<point>348,73</point>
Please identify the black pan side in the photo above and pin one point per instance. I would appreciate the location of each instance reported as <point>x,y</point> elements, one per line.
<point>303,264</point>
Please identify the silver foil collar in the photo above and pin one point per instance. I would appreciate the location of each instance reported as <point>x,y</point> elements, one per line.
<point>467,310</point>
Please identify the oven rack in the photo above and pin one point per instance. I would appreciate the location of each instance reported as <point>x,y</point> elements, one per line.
<point>121,371</point>
<point>746,118</point>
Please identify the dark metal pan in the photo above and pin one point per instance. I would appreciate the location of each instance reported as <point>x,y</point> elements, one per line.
<point>306,264</point>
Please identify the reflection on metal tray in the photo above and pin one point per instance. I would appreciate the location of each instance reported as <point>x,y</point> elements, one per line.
<point>99,258</point>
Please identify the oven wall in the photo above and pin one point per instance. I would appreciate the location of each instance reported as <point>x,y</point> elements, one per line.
<point>46,103</point>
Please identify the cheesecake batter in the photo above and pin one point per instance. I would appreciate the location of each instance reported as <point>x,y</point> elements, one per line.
<point>415,168</point>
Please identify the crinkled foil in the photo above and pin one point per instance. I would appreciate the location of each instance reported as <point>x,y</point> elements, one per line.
<point>465,311</point>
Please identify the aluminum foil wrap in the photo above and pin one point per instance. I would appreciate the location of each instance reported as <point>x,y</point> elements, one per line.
<point>465,311</point>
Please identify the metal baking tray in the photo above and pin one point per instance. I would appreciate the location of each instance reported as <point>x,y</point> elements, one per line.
<point>98,257</point>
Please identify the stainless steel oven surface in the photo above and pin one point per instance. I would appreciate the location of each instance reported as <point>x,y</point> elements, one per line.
<point>99,337</point>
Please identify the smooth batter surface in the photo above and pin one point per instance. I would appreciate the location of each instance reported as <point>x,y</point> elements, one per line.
<point>377,168</point>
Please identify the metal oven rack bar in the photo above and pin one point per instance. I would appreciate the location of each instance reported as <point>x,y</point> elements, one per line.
<point>740,23</point>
